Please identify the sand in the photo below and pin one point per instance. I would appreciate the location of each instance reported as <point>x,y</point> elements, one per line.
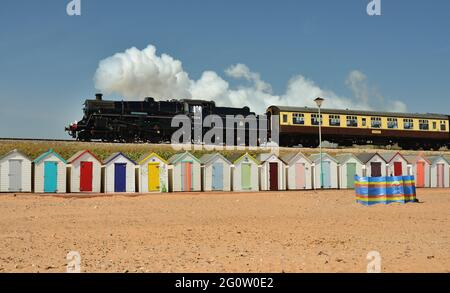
<point>307,231</point>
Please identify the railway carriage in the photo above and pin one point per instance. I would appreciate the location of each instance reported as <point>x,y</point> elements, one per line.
<point>299,126</point>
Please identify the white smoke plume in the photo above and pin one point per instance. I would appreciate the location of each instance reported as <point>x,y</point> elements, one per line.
<point>135,74</point>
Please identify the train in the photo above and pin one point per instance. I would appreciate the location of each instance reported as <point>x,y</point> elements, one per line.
<point>150,121</point>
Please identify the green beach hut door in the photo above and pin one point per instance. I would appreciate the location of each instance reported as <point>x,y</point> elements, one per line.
<point>246,174</point>
<point>326,174</point>
<point>50,177</point>
<point>351,173</point>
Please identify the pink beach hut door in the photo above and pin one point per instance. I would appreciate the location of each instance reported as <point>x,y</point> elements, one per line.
<point>300,176</point>
<point>440,175</point>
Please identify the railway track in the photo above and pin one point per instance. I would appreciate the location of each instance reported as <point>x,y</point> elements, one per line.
<point>37,139</point>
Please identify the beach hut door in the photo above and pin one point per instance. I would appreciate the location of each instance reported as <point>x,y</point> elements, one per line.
<point>273,175</point>
<point>153,177</point>
<point>300,175</point>
<point>50,177</point>
<point>398,169</point>
<point>246,172</point>
<point>420,174</point>
<point>186,176</point>
<point>440,175</point>
<point>15,175</point>
<point>351,173</point>
<point>217,176</point>
<point>326,174</point>
<point>86,177</point>
<point>120,177</point>
<point>375,169</point>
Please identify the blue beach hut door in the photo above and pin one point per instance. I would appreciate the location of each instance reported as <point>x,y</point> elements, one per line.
<point>217,176</point>
<point>326,174</point>
<point>50,177</point>
<point>120,177</point>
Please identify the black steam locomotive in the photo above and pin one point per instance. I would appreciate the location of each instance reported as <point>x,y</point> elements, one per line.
<point>143,121</point>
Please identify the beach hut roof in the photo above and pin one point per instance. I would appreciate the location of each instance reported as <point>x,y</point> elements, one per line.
<point>79,154</point>
<point>293,157</point>
<point>236,158</point>
<point>316,157</point>
<point>147,156</point>
<point>48,153</point>
<point>177,157</point>
<point>388,157</point>
<point>266,156</point>
<point>115,155</point>
<point>366,157</point>
<point>15,151</point>
<point>434,159</point>
<point>412,159</point>
<point>343,158</point>
<point>207,158</point>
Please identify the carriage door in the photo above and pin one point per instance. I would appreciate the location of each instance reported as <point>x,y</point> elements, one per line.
<point>273,176</point>
<point>300,176</point>
<point>120,177</point>
<point>15,175</point>
<point>440,175</point>
<point>351,173</point>
<point>50,177</point>
<point>217,176</point>
<point>398,169</point>
<point>86,177</point>
<point>375,169</point>
<point>420,174</point>
<point>246,174</point>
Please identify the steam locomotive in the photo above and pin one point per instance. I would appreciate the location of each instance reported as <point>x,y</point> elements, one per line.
<point>144,121</point>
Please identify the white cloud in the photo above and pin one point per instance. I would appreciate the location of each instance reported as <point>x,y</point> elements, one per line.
<point>135,74</point>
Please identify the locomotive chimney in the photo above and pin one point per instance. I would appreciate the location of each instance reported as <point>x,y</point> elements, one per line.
<point>98,97</point>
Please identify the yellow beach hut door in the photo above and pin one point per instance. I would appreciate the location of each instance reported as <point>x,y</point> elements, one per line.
<point>153,177</point>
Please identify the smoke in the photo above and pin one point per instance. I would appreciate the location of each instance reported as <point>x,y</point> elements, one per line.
<point>135,74</point>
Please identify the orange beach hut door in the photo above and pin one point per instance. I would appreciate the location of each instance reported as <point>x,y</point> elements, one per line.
<point>420,174</point>
<point>186,176</point>
<point>153,177</point>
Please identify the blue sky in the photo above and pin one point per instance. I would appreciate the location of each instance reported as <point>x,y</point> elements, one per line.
<point>48,60</point>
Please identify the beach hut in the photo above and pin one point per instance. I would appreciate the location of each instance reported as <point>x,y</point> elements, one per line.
<point>299,175</point>
<point>153,174</point>
<point>84,172</point>
<point>272,172</point>
<point>375,165</point>
<point>349,167</point>
<point>50,173</point>
<point>439,172</point>
<point>216,172</point>
<point>119,174</point>
<point>186,173</point>
<point>15,172</point>
<point>329,170</point>
<point>397,165</point>
<point>420,169</point>
<point>245,173</point>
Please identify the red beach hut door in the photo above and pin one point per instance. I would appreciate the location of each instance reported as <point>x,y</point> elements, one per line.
<point>398,169</point>
<point>86,177</point>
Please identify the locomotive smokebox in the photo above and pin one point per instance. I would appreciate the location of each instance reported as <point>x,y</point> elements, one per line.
<point>98,97</point>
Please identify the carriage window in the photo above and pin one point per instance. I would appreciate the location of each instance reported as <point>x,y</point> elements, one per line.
<point>424,125</point>
<point>364,122</point>
<point>408,123</point>
<point>298,119</point>
<point>434,125</point>
<point>315,119</point>
<point>352,121</point>
<point>392,123</point>
<point>335,120</point>
<point>375,122</point>
<point>443,126</point>
<point>285,118</point>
